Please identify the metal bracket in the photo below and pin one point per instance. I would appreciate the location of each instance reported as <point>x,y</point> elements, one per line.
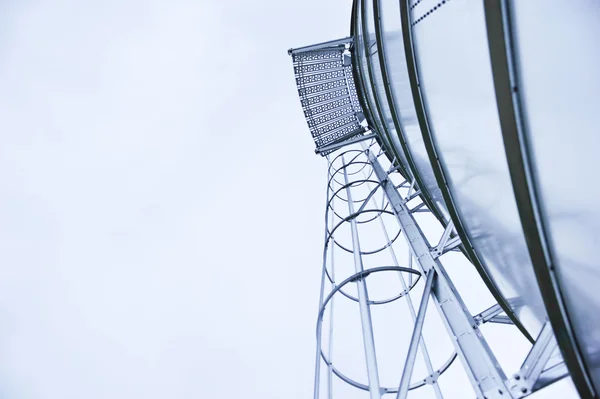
<point>502,319</point>
<point>322,46</point>
<point>487,314</point>
<point>343,142</point>
<point>394,168</point>
<point>410,189</point>
<point>534,374</point>
<point>446,243</point>
<point>418,208</point>
<point>414,195</point>
<point>432,379</point>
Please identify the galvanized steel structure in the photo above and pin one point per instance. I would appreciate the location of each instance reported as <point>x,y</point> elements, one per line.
<point>461,110</point>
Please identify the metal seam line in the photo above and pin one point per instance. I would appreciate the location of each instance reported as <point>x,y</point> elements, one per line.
<point>438,167</point>
<point>377,102</point>
<point>513,126</point>
<point>359,80</point>
<point>394,112</point>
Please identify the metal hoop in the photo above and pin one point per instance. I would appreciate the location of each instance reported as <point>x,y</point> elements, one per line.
<point>339,374</point>
<point>361,181</point>
<point>354,183</point>
<point>414,385</point>
<point>354,215</point>
<point>387,245</point>
<point>365,201</point>
<point>351,162</point>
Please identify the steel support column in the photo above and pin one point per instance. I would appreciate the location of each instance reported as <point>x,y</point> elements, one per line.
<point>487,378</point>
<point>363,299</point>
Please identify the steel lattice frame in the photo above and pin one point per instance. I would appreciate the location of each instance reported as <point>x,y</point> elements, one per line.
<point>335,110</point>
<point>540,368</point>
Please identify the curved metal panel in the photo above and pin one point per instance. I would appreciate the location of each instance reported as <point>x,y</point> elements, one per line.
<point>484,210</point>
<point>355,31</point>
<point>396,87</point>
<point>517,152</point>
<point>367,48</point>
<point>374,72</point>
<point>560,99</point>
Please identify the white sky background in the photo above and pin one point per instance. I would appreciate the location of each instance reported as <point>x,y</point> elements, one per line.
<point>161,206</point>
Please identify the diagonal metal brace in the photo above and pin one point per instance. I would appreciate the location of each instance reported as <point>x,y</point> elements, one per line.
<point>487,378</point>
<point>523,383</point>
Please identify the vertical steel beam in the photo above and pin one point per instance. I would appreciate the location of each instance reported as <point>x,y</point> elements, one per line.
<point>487,378</point>
<point>363,299</point>
<point>317,386</point>
<point>516,145</point>
<point>331,308</point>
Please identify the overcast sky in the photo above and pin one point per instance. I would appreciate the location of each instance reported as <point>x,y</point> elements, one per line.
<point>161,206</point>
<point>160,200</point>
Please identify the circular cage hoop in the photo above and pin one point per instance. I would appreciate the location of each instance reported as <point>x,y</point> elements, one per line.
<point>345,165</point>
<point>385,207</point>
<point>355,183</point>
<point>331,162</point>
<point>363,274</point>
<point>385,390</point>
<point>364,200</point>
<point>387,300</point>
<point>353,161</point>
<point>373,251</point>
<point>354,215</point>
